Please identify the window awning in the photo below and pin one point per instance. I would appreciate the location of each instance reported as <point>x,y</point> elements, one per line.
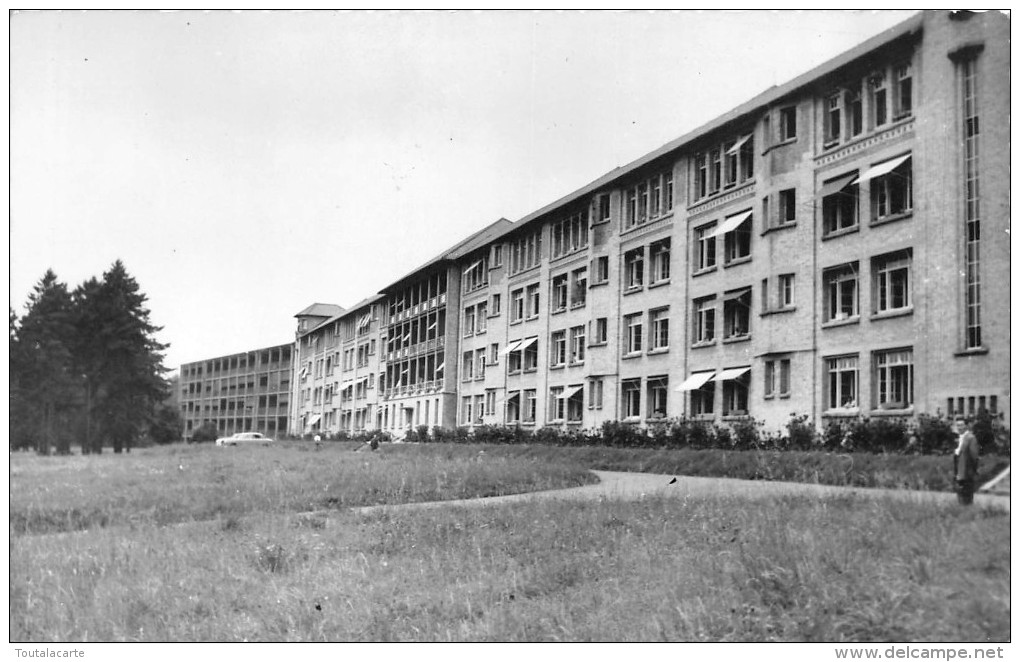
<point>882,168</point>
<point>571,391</point>
<point>363,380</point>
<point>736,294</point>
<point>528,343</point>
<point>731,223</point>
<point>730,373</point>
<point>836,185</point>
<point>472,267</point>
<point>441,366</point>
<point>696,381</point>
<point>313,420</point>
<point>511,347</point>
<point>740,143</point>
<point>364,321</point>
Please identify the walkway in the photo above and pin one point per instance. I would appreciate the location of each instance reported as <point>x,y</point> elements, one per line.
<point>634,486</point>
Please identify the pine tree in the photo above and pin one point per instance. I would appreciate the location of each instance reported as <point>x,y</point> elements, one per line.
<point>42,375</point>
<point>120,360</point>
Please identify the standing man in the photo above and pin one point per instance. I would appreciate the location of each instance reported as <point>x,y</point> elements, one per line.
<point>965,462</point>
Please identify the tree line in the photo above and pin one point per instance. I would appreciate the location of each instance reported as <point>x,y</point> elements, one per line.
<point>85,367</point>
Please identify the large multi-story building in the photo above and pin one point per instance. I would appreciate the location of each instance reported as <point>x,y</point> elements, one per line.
<point>244,392</point>
<point>835,247</point>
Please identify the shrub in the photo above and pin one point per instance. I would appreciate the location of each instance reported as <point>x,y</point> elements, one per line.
<point>745,434</point>
<point>205,432</point>
<point>800,435</point>
<point>615,433</point>
<point>420,434</point>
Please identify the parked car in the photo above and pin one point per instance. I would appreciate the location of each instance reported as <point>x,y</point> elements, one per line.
<point>244,438</point>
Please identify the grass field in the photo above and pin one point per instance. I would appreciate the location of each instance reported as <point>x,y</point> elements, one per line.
<point>790,569</point>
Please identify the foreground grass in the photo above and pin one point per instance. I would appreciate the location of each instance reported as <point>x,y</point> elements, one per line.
<point>176,484</point>
<point>713,569</point>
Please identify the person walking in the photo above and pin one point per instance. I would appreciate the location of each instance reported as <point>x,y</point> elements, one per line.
<point>965,462</point>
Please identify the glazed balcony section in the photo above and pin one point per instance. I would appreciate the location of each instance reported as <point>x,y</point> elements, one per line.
<point>417,309</point>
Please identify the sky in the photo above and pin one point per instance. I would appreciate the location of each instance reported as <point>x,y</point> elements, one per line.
<point>244,165</point>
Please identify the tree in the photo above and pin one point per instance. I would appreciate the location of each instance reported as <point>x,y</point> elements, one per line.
<point>167,426</point>
<point>41,366</point>
<point>120,361</point>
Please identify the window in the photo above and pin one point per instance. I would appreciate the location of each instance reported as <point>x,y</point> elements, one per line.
<point>513,407</point>
<point>516,305</point>
<point>735,390</point>
<point>557,404</point>
<point>482,318</point>
<point>659,257</point>
<point>479,409</point>
<point>648,199</point>
<point>972,217</point>
<point>737,313</point>
<point>600,332</point>
<point>878,89</point>
<point>632,334</point>
<point>631,393</point>
<point>787,206</point>
<point>603,215</point>
<point>777,368</point>
<point>658,394</point>
<point>704,242</point>
<point>659,321</point>
<point>854,111</point>
<point>634,269</point>
<point>525,252</point>
<point>904,90</point>
<point>595,391</point>
<point>704,320</point>
<point>494,305</point>
<point>577,345</point>
<point>530,349</point>
<point>514,356</point>
<point>601,269</point>
<point>530,405</point>
<point>703,399</point>
<point>738,239</point>
<point>787,123</point>
<point>574,397</point>
<point>833,118</point>
<point>892,282</point>
<point>579,287</point>
<point>469,322</point>
<point>785,294</point>
<point>490,402</point>
<point>496,256</point>
<point>841,293</point>
<point>558,353</point>
<point>842,378</point>
<point>465,417</point>
<point>559,293</point>
<point>892,194</point>
<point>467,367</point>
<point>569,235</point>
<point>839,204</point>
<point>476,276</point>
<point>494,353</point>
<point>894,379</point>
<point>532,300</point>
<point>480,363</point>
<point>725,165</point>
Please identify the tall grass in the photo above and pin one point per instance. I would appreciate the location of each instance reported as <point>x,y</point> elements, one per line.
<point>712,569</point>
<point>192,483</point>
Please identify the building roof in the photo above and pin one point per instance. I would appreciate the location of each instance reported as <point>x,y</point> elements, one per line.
<point>321,310</point>
<point>461,248</point>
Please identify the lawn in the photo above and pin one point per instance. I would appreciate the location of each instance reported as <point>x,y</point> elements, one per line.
<point>848,568</point>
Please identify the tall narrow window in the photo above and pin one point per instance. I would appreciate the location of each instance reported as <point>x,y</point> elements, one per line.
<point>634,268</point>
<point>972,237</point>
<point>633,334</point>
<point>659,322</point>
<point>788,123</point>
<point>559,293</point>
<point>659,253</point>
<point>879,98</point>
<point>833,118</point>
<point>904,90</point>
<point>558,350</point>
<point>631,394</point>
<point>892,282</point>
<point>855,111</point>
<point>577,344</point>
<point>704,320</point>
<point>704,246</point>
<point>737,313</point>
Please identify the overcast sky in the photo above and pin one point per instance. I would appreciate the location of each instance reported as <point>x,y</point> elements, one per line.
<point>246,164</point>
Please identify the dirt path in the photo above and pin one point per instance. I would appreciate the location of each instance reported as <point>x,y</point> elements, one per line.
<point>632,486</point>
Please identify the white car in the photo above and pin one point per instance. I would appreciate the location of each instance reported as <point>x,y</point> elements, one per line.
<point>244,438</point>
